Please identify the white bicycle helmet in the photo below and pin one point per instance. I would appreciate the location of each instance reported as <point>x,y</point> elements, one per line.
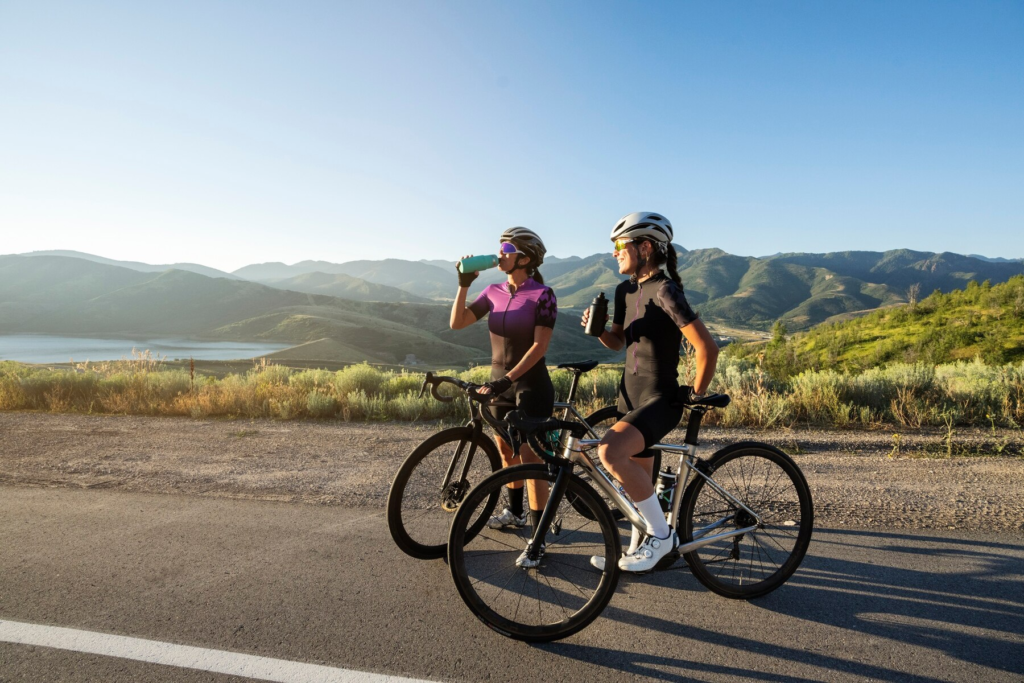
<point>527,241</point>
<point>653,226</point>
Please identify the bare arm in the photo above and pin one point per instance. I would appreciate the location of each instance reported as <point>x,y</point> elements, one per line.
<point>707,354</point>
<point>541,339</point>
<point>461,315</point>
<point>613,339</point>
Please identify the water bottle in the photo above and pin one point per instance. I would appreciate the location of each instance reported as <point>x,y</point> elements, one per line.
<point>475,264</point>
<point>666,488</point>
<point>598,316</point>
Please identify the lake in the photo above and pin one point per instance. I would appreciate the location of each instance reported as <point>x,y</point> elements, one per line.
<point>49,349</point>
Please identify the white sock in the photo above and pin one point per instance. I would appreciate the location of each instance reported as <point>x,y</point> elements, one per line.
<point>655,516</point>
<point>634,541</point>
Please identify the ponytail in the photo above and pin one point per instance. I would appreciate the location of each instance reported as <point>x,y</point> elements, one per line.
<point>535,274</point>
<point>670,263</point>
<point>665,255</point>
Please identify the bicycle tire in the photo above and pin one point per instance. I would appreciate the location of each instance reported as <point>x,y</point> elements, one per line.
<point>768,482</point>
<point>565,592</point>
<point>417,516</point>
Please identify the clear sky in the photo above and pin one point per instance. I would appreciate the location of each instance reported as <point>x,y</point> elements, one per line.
<point>233,133</point>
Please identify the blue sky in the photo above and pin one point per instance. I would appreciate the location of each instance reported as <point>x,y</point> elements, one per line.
<point>235,133</point>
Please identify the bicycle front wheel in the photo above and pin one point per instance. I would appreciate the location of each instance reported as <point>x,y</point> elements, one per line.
<point>554,599</point>
<point>768,483</point>
<point>431,484</point>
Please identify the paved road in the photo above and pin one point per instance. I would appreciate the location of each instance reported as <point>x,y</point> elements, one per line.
<point>325,585</point>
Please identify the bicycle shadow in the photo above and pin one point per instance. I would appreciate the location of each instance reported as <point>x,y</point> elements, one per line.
<point>966,604</point>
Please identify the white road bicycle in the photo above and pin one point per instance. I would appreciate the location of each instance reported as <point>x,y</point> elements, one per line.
<point>744,520</point>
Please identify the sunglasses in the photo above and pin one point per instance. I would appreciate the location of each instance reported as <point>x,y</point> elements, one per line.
<point>507,249</point>
<point>619,245</point>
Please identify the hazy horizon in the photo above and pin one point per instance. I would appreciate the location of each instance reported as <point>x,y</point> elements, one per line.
<point>550,256</point>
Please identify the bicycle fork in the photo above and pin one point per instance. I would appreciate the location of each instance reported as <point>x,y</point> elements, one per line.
<point>446,489</point>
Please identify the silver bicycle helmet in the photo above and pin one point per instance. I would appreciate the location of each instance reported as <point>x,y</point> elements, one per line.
<point>527,241</point>
<point>653,226</point>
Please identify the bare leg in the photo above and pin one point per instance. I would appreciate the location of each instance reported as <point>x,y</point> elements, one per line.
<point>538,490</point>
<point>617,450</point>
<point>508,458</point>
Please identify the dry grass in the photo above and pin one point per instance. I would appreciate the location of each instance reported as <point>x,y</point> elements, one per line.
<point>907,395</point>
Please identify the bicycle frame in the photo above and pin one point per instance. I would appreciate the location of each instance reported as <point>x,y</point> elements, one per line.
<point>575,452</point>
<point>477,416</point>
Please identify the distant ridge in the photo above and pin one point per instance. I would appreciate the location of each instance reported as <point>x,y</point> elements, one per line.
<point>135,265</point>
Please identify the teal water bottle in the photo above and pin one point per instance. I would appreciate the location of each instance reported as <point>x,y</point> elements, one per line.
<point>475,264</point>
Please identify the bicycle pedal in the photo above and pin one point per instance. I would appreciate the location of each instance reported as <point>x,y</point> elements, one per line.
<point>667,561</point>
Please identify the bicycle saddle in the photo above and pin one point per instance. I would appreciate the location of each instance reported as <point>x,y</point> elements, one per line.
<point>580,366</point>
<point>713,401</point>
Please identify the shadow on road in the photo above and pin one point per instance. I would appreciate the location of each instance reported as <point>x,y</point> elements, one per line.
<point>962,598</point>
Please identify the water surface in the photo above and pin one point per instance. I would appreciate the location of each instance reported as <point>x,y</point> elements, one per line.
<point>51,349</point>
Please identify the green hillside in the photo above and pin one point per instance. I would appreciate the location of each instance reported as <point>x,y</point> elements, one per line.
<point>984,321</point>
<point>69,296</point>
<point>733,291</point>
<point>345,287</point>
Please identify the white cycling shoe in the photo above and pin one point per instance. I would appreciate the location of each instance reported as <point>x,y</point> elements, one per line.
<point>524,560</point>
<point>650,554</point>
<point>646,557</point>
<point>506,519</point>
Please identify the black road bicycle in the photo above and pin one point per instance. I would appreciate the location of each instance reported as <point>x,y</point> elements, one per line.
<point>744,522</point>
<point>435,478</point>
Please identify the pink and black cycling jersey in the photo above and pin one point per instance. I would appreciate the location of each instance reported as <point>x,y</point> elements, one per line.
<point>511,319</point>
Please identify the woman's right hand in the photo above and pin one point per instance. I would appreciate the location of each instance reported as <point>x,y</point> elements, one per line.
<point>466,279</point>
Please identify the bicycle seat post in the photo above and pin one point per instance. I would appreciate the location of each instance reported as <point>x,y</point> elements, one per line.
<point>693,425</point>
<point>576,374</point>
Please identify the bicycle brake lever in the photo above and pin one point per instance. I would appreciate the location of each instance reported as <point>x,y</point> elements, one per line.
<point>426,382</point>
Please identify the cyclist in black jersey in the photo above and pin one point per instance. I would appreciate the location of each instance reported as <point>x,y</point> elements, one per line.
<point>651,318</point>
<point>521,316</point>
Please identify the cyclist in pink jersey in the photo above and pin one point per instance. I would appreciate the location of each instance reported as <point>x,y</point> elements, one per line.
<point>521,316</point>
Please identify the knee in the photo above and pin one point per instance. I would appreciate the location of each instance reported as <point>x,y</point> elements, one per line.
<point>609,455</point>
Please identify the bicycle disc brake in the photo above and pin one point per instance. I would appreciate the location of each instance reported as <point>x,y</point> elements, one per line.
<point>452,496</point>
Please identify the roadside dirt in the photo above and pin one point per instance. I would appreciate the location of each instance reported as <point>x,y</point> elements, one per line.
<point>856,478</point>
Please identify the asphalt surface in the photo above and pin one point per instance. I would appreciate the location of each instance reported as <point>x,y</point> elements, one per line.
<point>325,585</point>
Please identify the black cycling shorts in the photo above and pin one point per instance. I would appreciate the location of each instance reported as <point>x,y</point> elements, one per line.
<point>655,415</point>
<point>536,399</point>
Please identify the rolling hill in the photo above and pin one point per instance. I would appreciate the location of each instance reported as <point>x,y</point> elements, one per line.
<point>135,265</point>
<point>345,287</point>
<point>67,296</point>
<point>381,310</point>
<point>984,321</point>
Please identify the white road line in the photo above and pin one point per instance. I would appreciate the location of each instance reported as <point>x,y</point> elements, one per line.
<point>184,656</point>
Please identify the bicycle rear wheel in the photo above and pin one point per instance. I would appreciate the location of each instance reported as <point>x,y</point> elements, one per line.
<point>555,599</point>
<point>421,505</point>
<point>770,484</point>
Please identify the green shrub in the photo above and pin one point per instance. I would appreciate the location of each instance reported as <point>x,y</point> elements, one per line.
<point>361,377</point>
<point>319,404</point>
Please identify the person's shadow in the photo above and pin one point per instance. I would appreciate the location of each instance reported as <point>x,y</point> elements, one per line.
<point>964,598</point>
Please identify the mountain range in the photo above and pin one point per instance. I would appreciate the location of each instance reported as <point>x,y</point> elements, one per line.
<point>384,310</point>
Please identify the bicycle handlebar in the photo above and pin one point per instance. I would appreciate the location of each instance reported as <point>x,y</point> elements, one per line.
<point>435,381</point>
<point>521,425</point>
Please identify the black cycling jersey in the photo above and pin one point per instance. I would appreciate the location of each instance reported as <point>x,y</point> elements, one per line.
<point>651,314</point>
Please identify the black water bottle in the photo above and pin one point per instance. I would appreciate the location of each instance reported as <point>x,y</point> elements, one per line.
<point>598,316</point>
<point>666,488</point>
